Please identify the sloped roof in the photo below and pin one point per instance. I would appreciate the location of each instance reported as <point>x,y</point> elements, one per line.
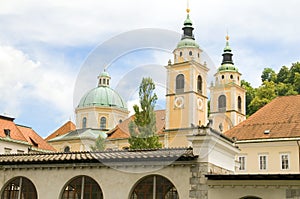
<point>67,127</point>
<point>22,135</point>
<point>8,123</point>
<point>281,117</point>
<point>175,154</point>
<point>121,131</point>
<point>80,134</point>
<point>34,139</point>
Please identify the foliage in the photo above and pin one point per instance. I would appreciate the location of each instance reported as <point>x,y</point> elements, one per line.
<point>250,94</point>
<point>269,75</point>
<point>263,95</point>
<point>285,82</point>
<point>142,129</point>
<point>99,144</point>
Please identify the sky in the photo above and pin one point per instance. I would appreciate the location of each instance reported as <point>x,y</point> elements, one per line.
<point>52,51</point>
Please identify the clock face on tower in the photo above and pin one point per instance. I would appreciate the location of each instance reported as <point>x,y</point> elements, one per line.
<point>179,102</point>
<point>200,104</point>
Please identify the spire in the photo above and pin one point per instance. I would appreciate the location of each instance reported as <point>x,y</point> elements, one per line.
<point>104,78</point>
<point>227,55</point>
<point>187,39</point>
<point>188,27</point>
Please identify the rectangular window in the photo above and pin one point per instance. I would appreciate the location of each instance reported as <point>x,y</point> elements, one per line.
<point>262,162</point>
<point>285,161</point>
<point>242,161</point>
<point>7,150</point>
<point>20,151</point>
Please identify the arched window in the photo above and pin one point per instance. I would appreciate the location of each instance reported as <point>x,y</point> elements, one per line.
<point>162,186</point>
<point>82,187</point>
<point>250,197</point>
<point>180,54</point>
<point>84,123</point>
<point>239,103</point>
<point>103,123</point>
<point>199,84</point>
<point>180,83</point>
<point>19,187</point>
<point>222,103</point>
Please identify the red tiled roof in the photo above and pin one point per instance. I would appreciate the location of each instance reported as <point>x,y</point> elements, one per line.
<point>281,117</point>
<point>121,131</point>
<point>8,123</point>
<point>34,139</point>
<point>67,127</point>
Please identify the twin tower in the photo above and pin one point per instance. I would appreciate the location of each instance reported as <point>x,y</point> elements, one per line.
<point>187,98</point>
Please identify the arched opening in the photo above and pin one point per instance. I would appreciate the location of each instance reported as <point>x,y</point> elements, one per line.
<point>250,197</point>
<point>180,83</point>
<point>199,84</point>
<point>222,103</point>
<point>103,123</point>
<point>84,123</point>
<point>82,187</point>
<point>19,188</point>
<point>154,186</point>
<point>239,103</point>
<point>67,149</point>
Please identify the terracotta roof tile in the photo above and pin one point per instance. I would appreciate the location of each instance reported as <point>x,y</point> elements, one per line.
<point>281,117</point>
<point>67,127</point>
<point>8,123</point>
<point>34,139</point>
<point>174,154</point>
<point>121,131</point>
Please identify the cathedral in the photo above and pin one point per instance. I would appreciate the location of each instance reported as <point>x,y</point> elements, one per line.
<point>201,153</point>
<point>102,111</point>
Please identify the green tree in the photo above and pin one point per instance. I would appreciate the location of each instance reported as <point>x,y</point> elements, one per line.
<point>283,89</point>
<point>293,71</point>
<point>264,94</point>
<point>268,74</point>
<point>297,82</point>
<point>99,144</point>
<point>283,75</point>
<point>142,129</point>
<point>250,94</point>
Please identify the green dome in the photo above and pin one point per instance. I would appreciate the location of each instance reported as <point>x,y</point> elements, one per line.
<point>102,96</point>
<point>228,67</point>
<point>187,43</point>
<point>104,74</point>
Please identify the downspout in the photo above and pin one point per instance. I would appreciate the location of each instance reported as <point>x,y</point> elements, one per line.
<point>298,154</point>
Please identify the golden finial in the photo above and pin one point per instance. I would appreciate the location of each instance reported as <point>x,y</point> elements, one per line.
<point>188,7</point>
<point>227,37</point>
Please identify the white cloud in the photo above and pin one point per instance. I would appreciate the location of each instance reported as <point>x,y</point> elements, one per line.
<point>30,30</point>
<point>23,80</point>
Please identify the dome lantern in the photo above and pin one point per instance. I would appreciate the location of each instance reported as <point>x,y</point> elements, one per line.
<point>104,79</point>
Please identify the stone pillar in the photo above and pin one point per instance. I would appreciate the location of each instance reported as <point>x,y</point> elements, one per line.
<point>198,181</point>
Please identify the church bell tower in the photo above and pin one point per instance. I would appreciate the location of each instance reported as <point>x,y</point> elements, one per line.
<point>227,96</point>
<point>186,97</point>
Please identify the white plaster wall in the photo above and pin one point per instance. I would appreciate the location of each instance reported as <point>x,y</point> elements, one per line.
<point>114,183</point>
<point>13,146</point>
